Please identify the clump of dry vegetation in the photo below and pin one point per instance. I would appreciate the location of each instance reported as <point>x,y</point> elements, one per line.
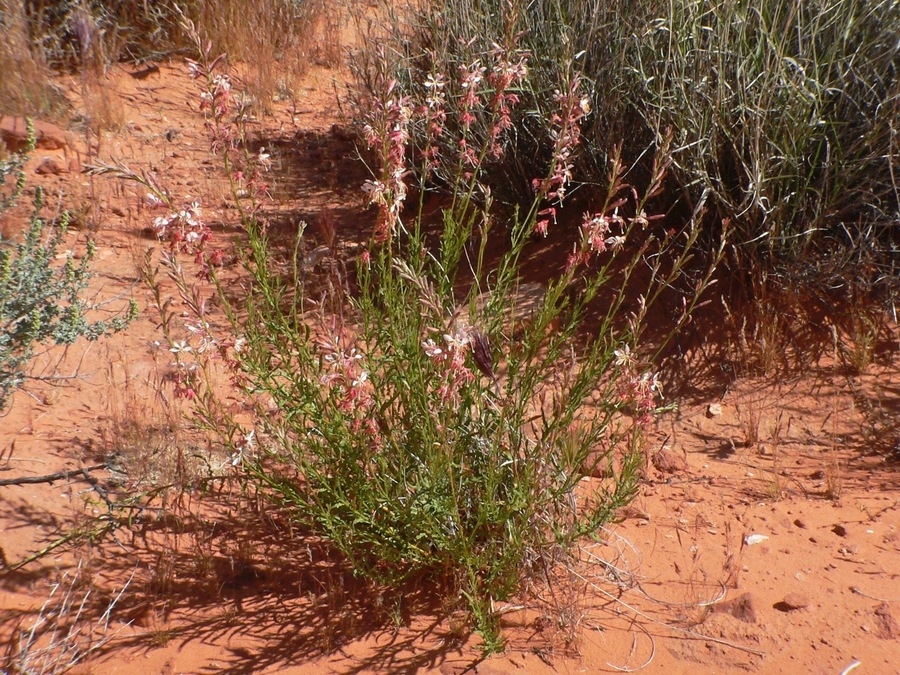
<point>275,41</point>
<point>26,87</point>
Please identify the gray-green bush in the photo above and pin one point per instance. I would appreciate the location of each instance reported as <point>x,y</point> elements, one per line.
<point>41,302</point>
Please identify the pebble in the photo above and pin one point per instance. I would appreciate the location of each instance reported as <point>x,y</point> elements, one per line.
<point>50,167</point>
<point>752,539</point>
<point>795,601</point>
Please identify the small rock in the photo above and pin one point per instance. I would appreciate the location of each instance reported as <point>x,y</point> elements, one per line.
<point>667,461</point>
<point>799,523</point>
<point>795,601</point>
<point>714,410</point>
<point>886,626</point>
<point>742,608</point>
<point>753,539</point>
<point>839,530</point>
<point>118,211</point>
<point>50,167</point>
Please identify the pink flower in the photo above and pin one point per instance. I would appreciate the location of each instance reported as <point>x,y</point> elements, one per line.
<point>566,133</point>
<point>388,132</point>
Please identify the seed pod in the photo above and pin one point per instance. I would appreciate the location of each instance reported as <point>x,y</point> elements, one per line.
<point>481,351</point>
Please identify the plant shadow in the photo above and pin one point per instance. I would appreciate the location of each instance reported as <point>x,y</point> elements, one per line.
<point>228,570</point>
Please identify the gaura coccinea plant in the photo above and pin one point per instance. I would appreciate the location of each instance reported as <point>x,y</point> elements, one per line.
<point>431,428</point>
<point>434,428</point>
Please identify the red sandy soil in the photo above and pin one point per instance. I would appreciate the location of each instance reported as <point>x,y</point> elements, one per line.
<point>681,584</point>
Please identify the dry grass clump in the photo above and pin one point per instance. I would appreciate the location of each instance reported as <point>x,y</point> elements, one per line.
<point>782,116</point>
<point>276,39</point>
<point>25,87</point>
<point>64,632</point>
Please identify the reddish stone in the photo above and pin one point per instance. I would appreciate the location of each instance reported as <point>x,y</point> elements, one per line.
<point>667,461</point>
<point>50,167</point>
<point>14,133</point>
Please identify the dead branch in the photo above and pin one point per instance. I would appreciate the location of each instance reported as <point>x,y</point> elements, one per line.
<point>61,475</point>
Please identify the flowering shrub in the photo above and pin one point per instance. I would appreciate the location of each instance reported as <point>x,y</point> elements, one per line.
<point>425,427</point>
<point>423,432</point>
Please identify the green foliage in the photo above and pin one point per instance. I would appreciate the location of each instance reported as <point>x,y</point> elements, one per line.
<point>419,417</point>
<point>40,301</point>
<point>409,471</point>
<point>428,428</point>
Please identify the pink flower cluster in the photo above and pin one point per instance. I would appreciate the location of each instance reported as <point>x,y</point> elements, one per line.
<point>216,98</point>
<point>224,116</point>
<point>185,231</point>
<point>434,112</point>
<point>388,129</point>
<point>345,377</point>
<point>470,79</point>
<point>184,378</point>
<point>566,134</point>
<point>450,360</point>
<point>388,133</point>
<point>504,77</point>
<point>637,389</point>
<point>596,238</point>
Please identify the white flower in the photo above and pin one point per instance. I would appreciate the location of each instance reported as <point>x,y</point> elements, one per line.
<point>623,355</point>
<point>160,223</point>
<point>615,243</point>
<point>153,201</point>
<point>264,159</point>
<point>431,349</point>
<point>245,444</point>
<point>459,340</point>
<point>375,189</point>
<point>181,347</point>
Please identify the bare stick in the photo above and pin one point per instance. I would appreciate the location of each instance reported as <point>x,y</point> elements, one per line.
<point>62,475</point>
